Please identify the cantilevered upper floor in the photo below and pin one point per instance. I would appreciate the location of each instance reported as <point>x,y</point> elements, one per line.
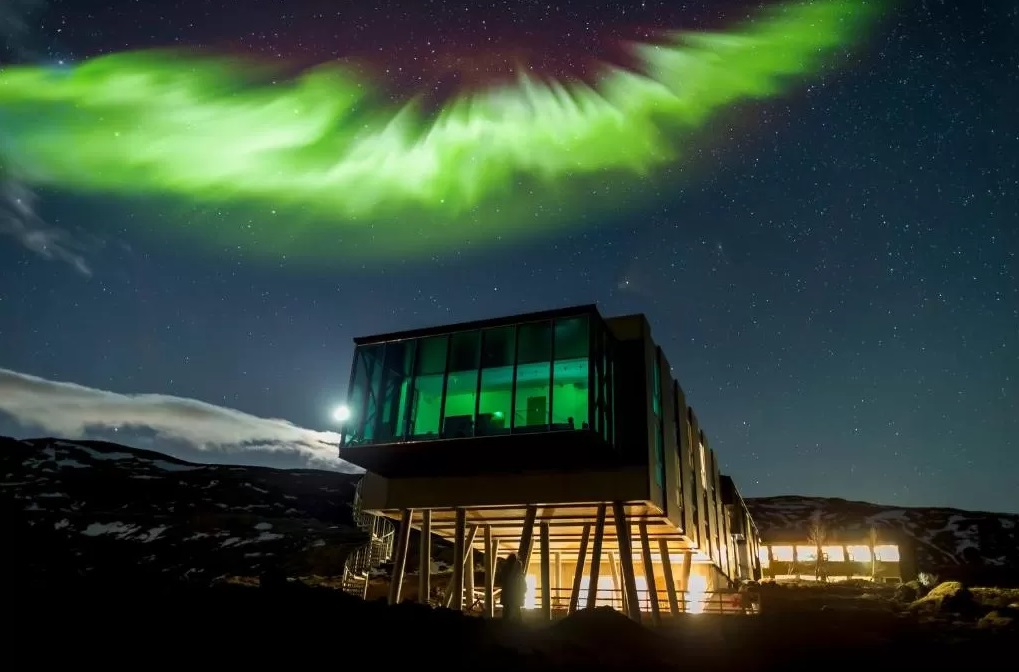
<point>529,392</point>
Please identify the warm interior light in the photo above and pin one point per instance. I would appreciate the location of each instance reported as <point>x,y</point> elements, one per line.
<point>696,594</point>
<point>531,596</point>
<point>887,553</point>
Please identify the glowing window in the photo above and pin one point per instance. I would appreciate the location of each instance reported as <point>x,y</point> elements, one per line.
<point>531,596</point>
<point>858,553</point>
<point>762,553</point>
<point>607,595</point>
<point>887,553</point>
<point>782,553</point>
<point>834,553</point>
<point>806,553</point>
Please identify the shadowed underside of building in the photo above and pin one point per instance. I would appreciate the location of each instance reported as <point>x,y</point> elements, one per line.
<point>558,436</point>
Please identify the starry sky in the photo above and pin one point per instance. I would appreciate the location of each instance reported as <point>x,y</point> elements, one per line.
<point>835,281</point>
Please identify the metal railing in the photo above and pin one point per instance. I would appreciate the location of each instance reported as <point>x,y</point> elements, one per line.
<point>708,602</point>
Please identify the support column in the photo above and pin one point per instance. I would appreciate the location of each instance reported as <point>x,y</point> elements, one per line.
<point>670,584</point>
<point>616,588</point>
<point>400,558</point>
<point>527,537</point>
<point>425,558</point>
<point>456,591</point>
<point>557,579</point>
<point>649,574</point>
<point>599,536</point>
<point>626,561</point>
<point>472,534</point>
<point>687,566</point>
<point>491,550</point>
<point>469,577</point>
<point>546,572</point>
<point>578,574</point>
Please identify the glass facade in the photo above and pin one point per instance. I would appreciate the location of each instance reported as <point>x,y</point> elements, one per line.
<point>550,375</point>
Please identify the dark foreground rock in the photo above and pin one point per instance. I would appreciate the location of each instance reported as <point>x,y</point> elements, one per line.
<point>295,625</point>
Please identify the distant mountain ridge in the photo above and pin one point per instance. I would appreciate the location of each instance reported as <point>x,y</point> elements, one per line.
<point>91,507</point>
<point>942,537</point>
<point>87,507</point>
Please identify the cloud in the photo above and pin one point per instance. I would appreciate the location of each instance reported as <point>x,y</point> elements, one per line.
<point>72,411</point>
<point>20,220</point>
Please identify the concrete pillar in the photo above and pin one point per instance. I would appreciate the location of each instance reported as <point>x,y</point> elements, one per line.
<point>578,575</point>
<point>599,536</point>
<point>425,558</point>
<point>546,572</point>
<point>670,583</point>
<point>649,574</point>
<point>400,557</point>
<point>626,560</point>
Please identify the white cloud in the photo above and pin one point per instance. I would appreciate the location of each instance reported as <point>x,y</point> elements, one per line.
<point>20,220</point>
<point>72,411</point>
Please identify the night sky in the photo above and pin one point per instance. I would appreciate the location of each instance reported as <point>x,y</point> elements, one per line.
<point>835,280</point>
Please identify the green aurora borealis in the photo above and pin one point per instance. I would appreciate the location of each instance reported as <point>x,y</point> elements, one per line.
<point>329,149</point>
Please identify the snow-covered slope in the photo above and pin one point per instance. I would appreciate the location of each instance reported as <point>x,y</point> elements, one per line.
<point>97,508</point>
<point>941,537</point>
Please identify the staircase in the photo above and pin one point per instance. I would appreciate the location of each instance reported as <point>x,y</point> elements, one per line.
<point>379,549</point>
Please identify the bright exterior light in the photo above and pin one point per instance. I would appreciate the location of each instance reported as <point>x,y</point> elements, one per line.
<point>341,413</point>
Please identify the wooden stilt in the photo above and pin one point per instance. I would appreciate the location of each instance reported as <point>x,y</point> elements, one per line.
<point>578,575</point>
<point>626,560</point>
<point>670,584</point>
<point>469,578</point>
<point>400,557</point>
<point>527,536</point>
<point>649,575</point>
<point>685,577</point>
<point>425,558</point>
<point>595,574</point>
<point>490,560</point>
<point>557,579</point>
<point>447,595</point>
<point>459,551</point>
<point>616,590</point>
<point>546,572</point>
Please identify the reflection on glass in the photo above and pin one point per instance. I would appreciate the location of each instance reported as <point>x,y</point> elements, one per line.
<point>462,385</point>
<point>534,351</point>
<point>426,394</point>
<point>570,375</point>
<point>496,401</point>
<point>834,553</point>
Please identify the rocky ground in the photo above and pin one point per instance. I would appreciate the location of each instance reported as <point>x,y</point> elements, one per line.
<point>112,554</point>
<point>86,509</point>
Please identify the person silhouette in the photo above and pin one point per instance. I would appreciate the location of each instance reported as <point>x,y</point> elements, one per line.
<point>514,588</point>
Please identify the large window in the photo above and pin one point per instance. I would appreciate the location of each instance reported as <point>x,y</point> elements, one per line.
<point>571,400</point>
<point>530,377</point>
<point>534,353</point>
<point>656,403</point>
<point>462,385</point>
<point>426,395</point>
<point>496,401</point>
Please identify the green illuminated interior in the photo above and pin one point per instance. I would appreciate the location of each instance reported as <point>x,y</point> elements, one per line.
<point>535,376</point>
<point>330,160</point>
